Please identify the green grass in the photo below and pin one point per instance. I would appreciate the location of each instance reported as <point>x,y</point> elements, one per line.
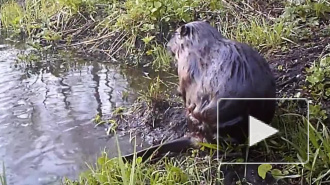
<point>131,29</point>
<point>318,75</point>
<point>156,91</point>
<point>3,179</point>
<point>11,15</point>
<point>50,21</point>
<point>301,12</point>
<point>261,34</point>
<point>186,170</point>
<point>35,15</point>
<point>317,169</point>
<point>161,59</point>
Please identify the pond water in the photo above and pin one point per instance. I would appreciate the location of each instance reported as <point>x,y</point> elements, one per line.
<point>46,112</point>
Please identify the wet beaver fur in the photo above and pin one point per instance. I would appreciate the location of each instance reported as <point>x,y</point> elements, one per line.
<point>211,67</point>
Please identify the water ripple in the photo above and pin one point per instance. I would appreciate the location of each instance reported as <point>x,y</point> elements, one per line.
<point>46,110</point>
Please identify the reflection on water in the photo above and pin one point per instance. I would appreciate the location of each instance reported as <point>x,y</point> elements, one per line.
<point>46,110</point>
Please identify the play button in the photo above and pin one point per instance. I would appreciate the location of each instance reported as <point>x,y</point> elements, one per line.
<point>259,131</point>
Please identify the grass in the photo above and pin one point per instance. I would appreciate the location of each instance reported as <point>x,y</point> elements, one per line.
<point>162,61</point>
<point>289,119</point>
<point>186,170</point>
<point>135,29</point>
<point>118,24</point>
<point>3,179</point>
<point>11,15</point>
<point>156,91</point>
<point>318,75</point>
<point>317,169</point>
<point>263,35</point>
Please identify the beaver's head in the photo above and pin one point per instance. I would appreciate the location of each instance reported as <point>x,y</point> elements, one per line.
<point>194,35</point>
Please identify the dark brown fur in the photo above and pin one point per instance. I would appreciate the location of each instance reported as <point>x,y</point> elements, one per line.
<point>211,67</point>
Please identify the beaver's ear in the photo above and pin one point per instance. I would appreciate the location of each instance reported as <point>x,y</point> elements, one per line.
<point>185,30</point>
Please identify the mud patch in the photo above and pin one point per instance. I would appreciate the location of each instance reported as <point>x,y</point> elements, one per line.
<point>289,68</point>
<point>164,120</point>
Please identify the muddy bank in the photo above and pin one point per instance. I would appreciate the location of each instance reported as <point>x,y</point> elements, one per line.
<point>165,120</point>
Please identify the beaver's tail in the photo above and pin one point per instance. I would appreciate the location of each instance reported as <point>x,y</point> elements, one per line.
<point>178,145</point>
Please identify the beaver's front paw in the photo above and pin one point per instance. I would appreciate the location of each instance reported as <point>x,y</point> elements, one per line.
<point>193,120</point>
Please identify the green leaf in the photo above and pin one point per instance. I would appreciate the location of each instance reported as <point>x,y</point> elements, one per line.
<point>263,169</point>
<point>158,5</point>
<point>276,173</point>
<point>147,39</point>
<point>101,161</point>
<point>325,61</point>
<point>149,52</point>
<point>208,145</point>
<point>139,160</point>
<point>240,160</point>
<point>327,92</point>
<point>154,10</point>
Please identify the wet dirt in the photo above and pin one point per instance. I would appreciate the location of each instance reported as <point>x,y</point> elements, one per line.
<point>289,67</point>
<point>165,120</point>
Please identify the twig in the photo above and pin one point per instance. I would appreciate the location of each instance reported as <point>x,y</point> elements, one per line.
<point>113,58</point>
<point>117,44</point>
<point>292,79</point>
<point>92,40</point>
<point>267,16</point>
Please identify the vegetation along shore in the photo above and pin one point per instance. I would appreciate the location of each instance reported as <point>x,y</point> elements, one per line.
<point>293,36</point>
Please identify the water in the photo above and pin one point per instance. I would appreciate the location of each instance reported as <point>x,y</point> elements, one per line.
<point>46,112</point>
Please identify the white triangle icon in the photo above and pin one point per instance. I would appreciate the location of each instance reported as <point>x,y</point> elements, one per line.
<point>259,131</point>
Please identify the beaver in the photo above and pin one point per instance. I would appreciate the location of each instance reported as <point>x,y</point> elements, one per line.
<point>211,67</point>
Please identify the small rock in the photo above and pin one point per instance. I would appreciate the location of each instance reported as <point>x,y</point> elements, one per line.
<point>49,180</point>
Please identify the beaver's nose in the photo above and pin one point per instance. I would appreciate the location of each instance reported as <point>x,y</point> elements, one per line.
<point>169,50</point>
